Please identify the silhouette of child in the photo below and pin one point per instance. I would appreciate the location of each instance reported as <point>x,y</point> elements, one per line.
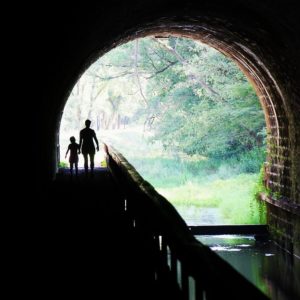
<point>73,158</point>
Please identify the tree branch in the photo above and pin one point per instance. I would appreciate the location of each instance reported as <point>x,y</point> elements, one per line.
<point>163,69</point>
<point>136,49</point>
<point>184,62</point>
<point>113,77</point>
<point>151,61</point>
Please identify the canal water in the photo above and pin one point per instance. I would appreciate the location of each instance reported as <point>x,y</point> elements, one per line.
<point>274,272</point>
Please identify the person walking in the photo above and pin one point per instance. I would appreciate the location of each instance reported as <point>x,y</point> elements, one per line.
<point>87,146</point>
<point>73,158</point>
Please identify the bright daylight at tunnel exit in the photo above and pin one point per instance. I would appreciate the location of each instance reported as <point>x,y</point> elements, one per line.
<point>185,116</point>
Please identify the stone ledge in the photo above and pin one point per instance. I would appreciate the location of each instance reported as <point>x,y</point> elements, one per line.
<point>283,204</point>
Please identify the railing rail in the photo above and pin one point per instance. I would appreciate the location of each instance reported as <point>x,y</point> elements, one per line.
<point>176,254</point>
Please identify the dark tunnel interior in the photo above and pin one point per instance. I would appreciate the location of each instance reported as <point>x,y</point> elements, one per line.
<point>262,37</point>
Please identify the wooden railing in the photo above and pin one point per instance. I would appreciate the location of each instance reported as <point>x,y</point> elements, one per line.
<point>197,271</point>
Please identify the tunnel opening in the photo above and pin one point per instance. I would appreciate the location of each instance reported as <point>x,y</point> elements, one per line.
<point>128,108</point>
<point>252,46</point>
<point>271,98</point>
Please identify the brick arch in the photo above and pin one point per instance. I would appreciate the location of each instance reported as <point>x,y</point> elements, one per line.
<point>266,86</point>
<point>265,51</point>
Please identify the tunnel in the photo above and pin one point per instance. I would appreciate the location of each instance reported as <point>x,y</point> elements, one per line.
<point>262,37</point>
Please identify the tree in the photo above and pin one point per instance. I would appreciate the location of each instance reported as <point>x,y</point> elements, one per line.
<point>193,98</point>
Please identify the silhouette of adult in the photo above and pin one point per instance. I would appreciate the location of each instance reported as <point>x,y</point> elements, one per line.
<point>87,146</point>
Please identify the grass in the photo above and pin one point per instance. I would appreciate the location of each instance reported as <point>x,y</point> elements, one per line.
<point>234,197</point>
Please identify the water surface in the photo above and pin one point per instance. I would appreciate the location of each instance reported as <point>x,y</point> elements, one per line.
<point>273,271</point>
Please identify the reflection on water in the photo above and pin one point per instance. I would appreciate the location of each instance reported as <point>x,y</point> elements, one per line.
<point>273,271</point>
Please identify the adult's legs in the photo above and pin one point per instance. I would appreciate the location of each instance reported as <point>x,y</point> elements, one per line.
<point>71,168</point>
<point>86,166</point>
<point>92,156</point>
<point>76,169</point>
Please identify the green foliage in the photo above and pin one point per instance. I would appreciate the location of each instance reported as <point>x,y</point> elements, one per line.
<point>206,183</point>
<point>63,164</point>
<point>260,187</point>
<point>196,109</point>
<point>258,205</point>
<point>193,98</point>
<point>217,125</point>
